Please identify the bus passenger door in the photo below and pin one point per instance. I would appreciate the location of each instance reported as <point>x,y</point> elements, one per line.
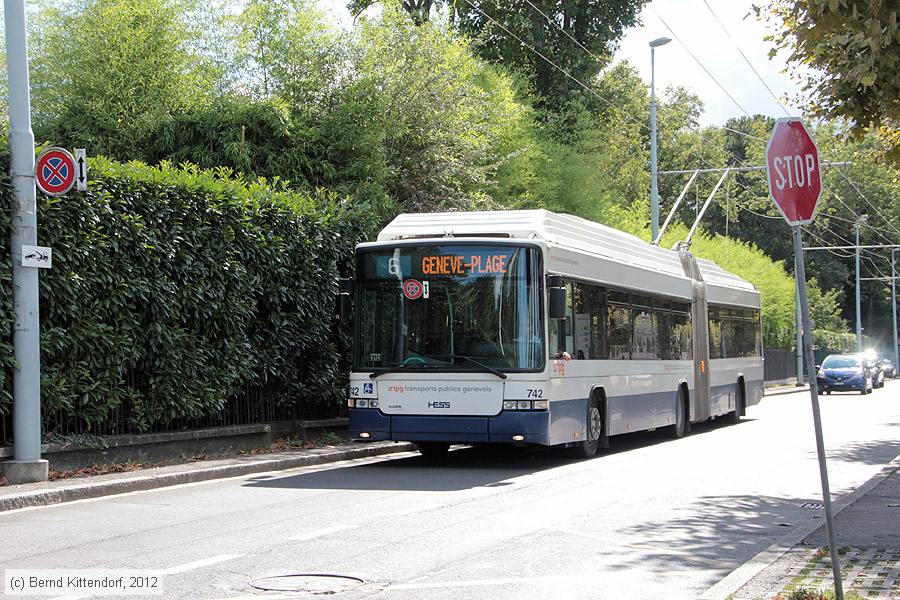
<point>700,409</point>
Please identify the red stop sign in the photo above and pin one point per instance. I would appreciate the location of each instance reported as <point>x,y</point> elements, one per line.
<point>792,161</point>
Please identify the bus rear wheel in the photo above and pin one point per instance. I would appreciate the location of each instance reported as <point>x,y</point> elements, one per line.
<point>433,450</point>
<point>739,402</point>
<point>679,429</point>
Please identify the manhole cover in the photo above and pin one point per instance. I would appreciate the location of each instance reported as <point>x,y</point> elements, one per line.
<point>310,583</point>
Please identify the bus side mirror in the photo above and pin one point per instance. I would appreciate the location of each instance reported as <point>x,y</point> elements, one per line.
<point>557,303</point>
<point>344,299</point>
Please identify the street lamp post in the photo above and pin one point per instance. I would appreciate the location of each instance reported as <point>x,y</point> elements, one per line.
<point>654,189</point>
<point>859,344</point>
<point>28,466</point>
<point>894,305</point>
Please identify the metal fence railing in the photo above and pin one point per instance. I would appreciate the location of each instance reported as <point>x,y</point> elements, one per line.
<point>5,429</point>
<point>248,408</point>
<point>780,364</point>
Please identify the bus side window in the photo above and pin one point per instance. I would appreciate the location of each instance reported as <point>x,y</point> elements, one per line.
<point>570,320</point>
<point>715,333</point>
<point>618,326</point>
<point>664,328</point>
<point>596,308</point>
<point>645,341</point>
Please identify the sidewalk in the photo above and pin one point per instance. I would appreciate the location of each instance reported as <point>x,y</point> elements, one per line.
<point>868,538</point>
<point>13,497</point>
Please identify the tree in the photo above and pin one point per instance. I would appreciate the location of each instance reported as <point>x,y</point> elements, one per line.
<point>105,73</point>
<point>577,36</point>
<point>847,54</point>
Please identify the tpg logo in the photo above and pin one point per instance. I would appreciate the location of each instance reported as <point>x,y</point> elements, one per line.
<point>438,405</point>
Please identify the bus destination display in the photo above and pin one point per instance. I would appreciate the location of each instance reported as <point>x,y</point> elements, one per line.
<point>463,265</point>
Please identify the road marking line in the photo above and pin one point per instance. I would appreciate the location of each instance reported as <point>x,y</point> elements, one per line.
<point>191,566</point>
<point>321,532</point>
<point>199,564</point>
<point>485,582</point>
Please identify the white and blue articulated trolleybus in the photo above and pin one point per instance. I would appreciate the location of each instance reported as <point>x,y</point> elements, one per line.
<point>530,327</point>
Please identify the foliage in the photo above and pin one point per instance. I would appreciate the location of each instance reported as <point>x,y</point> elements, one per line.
<point>550,28</point>
<point>847,54</point>
<point>175,289</point>
<point>105,73</point>
<point>579,37</point>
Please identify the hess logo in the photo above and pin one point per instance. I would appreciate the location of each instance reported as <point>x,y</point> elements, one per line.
<point>438,405</point>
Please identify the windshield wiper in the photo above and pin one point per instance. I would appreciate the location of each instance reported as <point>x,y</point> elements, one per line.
<point>484,367</point>
<point>396,369</point>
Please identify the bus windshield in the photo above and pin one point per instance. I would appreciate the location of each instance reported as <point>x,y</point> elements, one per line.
<point>448,306</point>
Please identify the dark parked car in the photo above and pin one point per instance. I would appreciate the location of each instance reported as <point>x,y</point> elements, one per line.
<point>845,373</point>
<point>888,368</point>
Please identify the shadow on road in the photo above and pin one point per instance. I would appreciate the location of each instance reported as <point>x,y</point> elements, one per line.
<point>872,452</point>
<point>465,468</point>
<point>718,531</point>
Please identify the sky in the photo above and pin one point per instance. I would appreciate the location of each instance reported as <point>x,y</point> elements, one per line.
<point>697,29</point>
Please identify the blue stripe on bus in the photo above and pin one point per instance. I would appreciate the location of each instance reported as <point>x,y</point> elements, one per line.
<point>418,428</point>
<point>556,426</point>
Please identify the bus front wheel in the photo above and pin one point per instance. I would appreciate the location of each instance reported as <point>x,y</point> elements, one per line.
<point>593,432</point>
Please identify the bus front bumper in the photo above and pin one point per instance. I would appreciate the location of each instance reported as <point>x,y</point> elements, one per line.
<point>533,427</point>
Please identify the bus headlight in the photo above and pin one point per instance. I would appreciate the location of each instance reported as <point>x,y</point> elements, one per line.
<point>362,403</point>
<point>524,405</point>
<point>351,403</point>
<point>509,405</point>
<point>541,405</point>
<point>373,403</point>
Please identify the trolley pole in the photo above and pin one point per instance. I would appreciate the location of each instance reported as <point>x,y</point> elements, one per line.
<point>27,465</point>
<point>817,417</point>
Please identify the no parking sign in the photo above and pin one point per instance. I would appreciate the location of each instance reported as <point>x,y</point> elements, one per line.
<point>54,171</point>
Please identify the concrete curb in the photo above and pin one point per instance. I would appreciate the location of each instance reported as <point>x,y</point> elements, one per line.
<point>743,574</point>
<point>46,497</point>
<point>778,391</point>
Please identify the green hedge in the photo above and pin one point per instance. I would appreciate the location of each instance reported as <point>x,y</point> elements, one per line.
<point>175,289</point>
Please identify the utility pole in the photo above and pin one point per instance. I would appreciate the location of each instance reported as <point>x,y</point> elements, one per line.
<point>654,188</point>
<point>894,305</point>
<point>859,347</point>
<point>27,465</point>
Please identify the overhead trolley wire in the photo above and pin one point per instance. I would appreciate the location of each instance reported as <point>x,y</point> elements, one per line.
<point>551,63</point>
<point>867,201</point>
<point>558,26</point>
<point>702,66</point>
<point>744,56</point>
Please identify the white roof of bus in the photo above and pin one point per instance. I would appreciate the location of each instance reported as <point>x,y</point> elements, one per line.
<point>561,230</point>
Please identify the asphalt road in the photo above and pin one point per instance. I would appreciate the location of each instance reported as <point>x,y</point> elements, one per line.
<point>651,518</point>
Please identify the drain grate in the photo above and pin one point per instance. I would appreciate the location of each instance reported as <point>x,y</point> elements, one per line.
<point>310,583</point>
<point>813,505</point>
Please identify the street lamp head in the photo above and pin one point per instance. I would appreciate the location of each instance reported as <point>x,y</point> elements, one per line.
<point>660,42</point>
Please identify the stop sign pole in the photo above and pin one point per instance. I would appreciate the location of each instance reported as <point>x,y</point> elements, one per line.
<point>795,184</point>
